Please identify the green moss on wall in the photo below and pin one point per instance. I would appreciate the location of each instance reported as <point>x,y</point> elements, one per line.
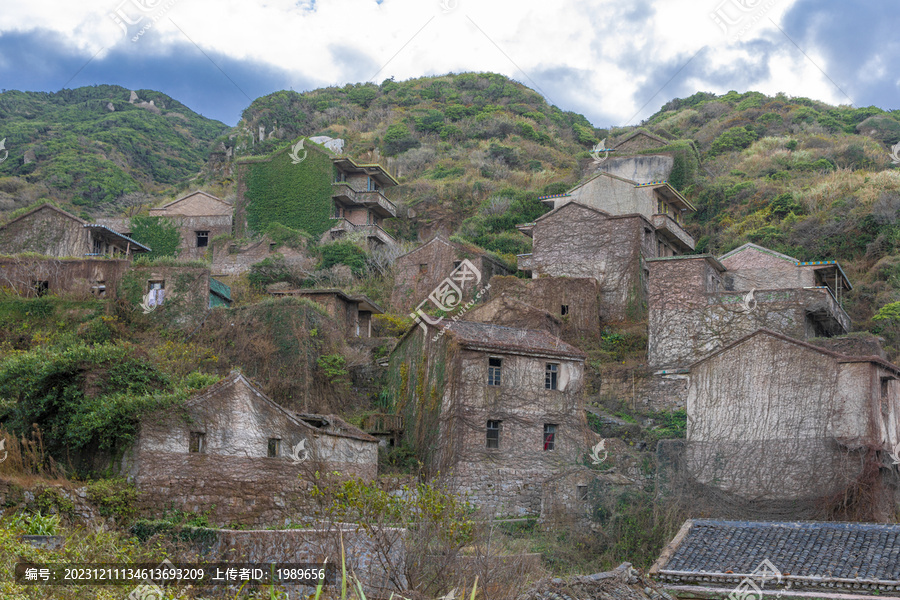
<point>157,233</point>
<point>294,195</point>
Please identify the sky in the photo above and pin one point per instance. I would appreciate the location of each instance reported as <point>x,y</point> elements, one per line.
<point>616,62</point>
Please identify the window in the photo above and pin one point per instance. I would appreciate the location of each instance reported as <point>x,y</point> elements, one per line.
<point>493,434</point>
<point>198,442</point>
<point>494,365</point>
<point>40,288</point>
<point>371,185</point>
<point>581,492</point>
<point>338,211</point>
<point>423,268</point>
<point>564,310</point>
<point>272,247</point>
<point>98,288</point>
<point>202,239</point>
<point>550,376</point>
<point>457,264</point>
<point>97,246</point>
<point>274,447</point>
<point>549,436</point>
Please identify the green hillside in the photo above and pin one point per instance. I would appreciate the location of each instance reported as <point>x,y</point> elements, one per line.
<point>92,147</point>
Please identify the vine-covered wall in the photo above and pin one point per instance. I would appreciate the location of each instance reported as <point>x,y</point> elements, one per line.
<point>275,190</point>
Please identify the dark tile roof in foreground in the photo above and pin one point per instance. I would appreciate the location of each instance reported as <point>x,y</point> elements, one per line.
<point>808,554</point>
<point>511,339</point>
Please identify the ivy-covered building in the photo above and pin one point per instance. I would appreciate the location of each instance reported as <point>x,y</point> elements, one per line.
<point>311,190</point>
<point>496,410</point>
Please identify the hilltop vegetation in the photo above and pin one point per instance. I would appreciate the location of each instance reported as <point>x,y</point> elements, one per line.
<point>93,148</point>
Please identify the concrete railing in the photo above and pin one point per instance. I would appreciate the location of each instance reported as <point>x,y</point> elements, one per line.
<point>342,191</point>
<point>671,229</point>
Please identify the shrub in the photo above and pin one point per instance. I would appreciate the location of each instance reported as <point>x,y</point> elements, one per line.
<point>343,253</point>
<point>398,139</point>
<point>157,233</point>
<point>736,138</point>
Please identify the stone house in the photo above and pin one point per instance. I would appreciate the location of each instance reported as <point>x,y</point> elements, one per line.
<point>230,258</point>
<point>199,217</point>
<point>418,273</point>
<point>82,278</point>
<point>774,419</point>
<point>657,201</point>
<point>360,204</point>
<point>233,451</point>
<point>698,304</point>
<point>570,306</point>
<point>51,231</point>
<point>496,410</point>
<point>710,558</point>
<point>577,241</point>
<point>355,312</point>
<point>639,140</point>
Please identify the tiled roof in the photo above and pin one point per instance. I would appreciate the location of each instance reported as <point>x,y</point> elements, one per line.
<point>511,339</point>
<point>807,554</point>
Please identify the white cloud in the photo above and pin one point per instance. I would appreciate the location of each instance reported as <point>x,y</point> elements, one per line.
<point>599,57</point>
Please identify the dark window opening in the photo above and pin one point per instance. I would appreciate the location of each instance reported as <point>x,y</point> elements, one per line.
<point>98,288</point>
<point>549,436</point>
<point>581,492</point>
<point>40,288</point>
<point>97,246</point>
<point>274,447</point>
<point>202,239</point>
<point>550,376</point>
<point>128,234</point>
<point>198,442</point>
<point>457,264</point>
<point>564,310</point>
<point>494,366</point>
<point>338,211</point>
<point>493,434</point>
<point>423,268</point>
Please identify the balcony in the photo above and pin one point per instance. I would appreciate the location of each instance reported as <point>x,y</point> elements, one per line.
<point>818,303</point>
<point>373,232</point>
<point>343,193</point>
<point>672,231</point>
<point>524,262</point>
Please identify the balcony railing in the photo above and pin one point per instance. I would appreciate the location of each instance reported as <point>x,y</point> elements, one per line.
<point>375,200</point>
<point>372,231</point>
<point>524,262</point>
<point>818,302</point>
<point>666,226</point>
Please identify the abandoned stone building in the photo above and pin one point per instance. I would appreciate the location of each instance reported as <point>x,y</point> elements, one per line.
<point>81,278</point>
<point>578,241</point>
<point>634,158</point>
<point>698,304</point>
<point>230,258</point>
<point>51,231</point>
<point>496,410</point>
<point>360,205</point>
<point>198,216</point>
<point>711,558</point>
<point>787,425</point>
<point>418,273</point>
<point>657,201</point>
<point>234,452</point>
<point>568,307</point>
<point>354,312</point>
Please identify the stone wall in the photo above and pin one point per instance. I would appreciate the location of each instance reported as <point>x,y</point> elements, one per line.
<point>230,473</point>
<point>230,259</point>
<point>690,316</point>
<point>579,298</point>
<point>418,273</point>
<point>377,559</point>
<point>507,480</point>
<point>578,242</point>
<point>771,417</point>
<point>76,277</point>
<point>642,388</point>
<point>186,288</point>
<point>46,231</point>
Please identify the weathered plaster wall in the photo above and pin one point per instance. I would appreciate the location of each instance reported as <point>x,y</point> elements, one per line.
<point>609,194</point>
<point>641,168</point>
